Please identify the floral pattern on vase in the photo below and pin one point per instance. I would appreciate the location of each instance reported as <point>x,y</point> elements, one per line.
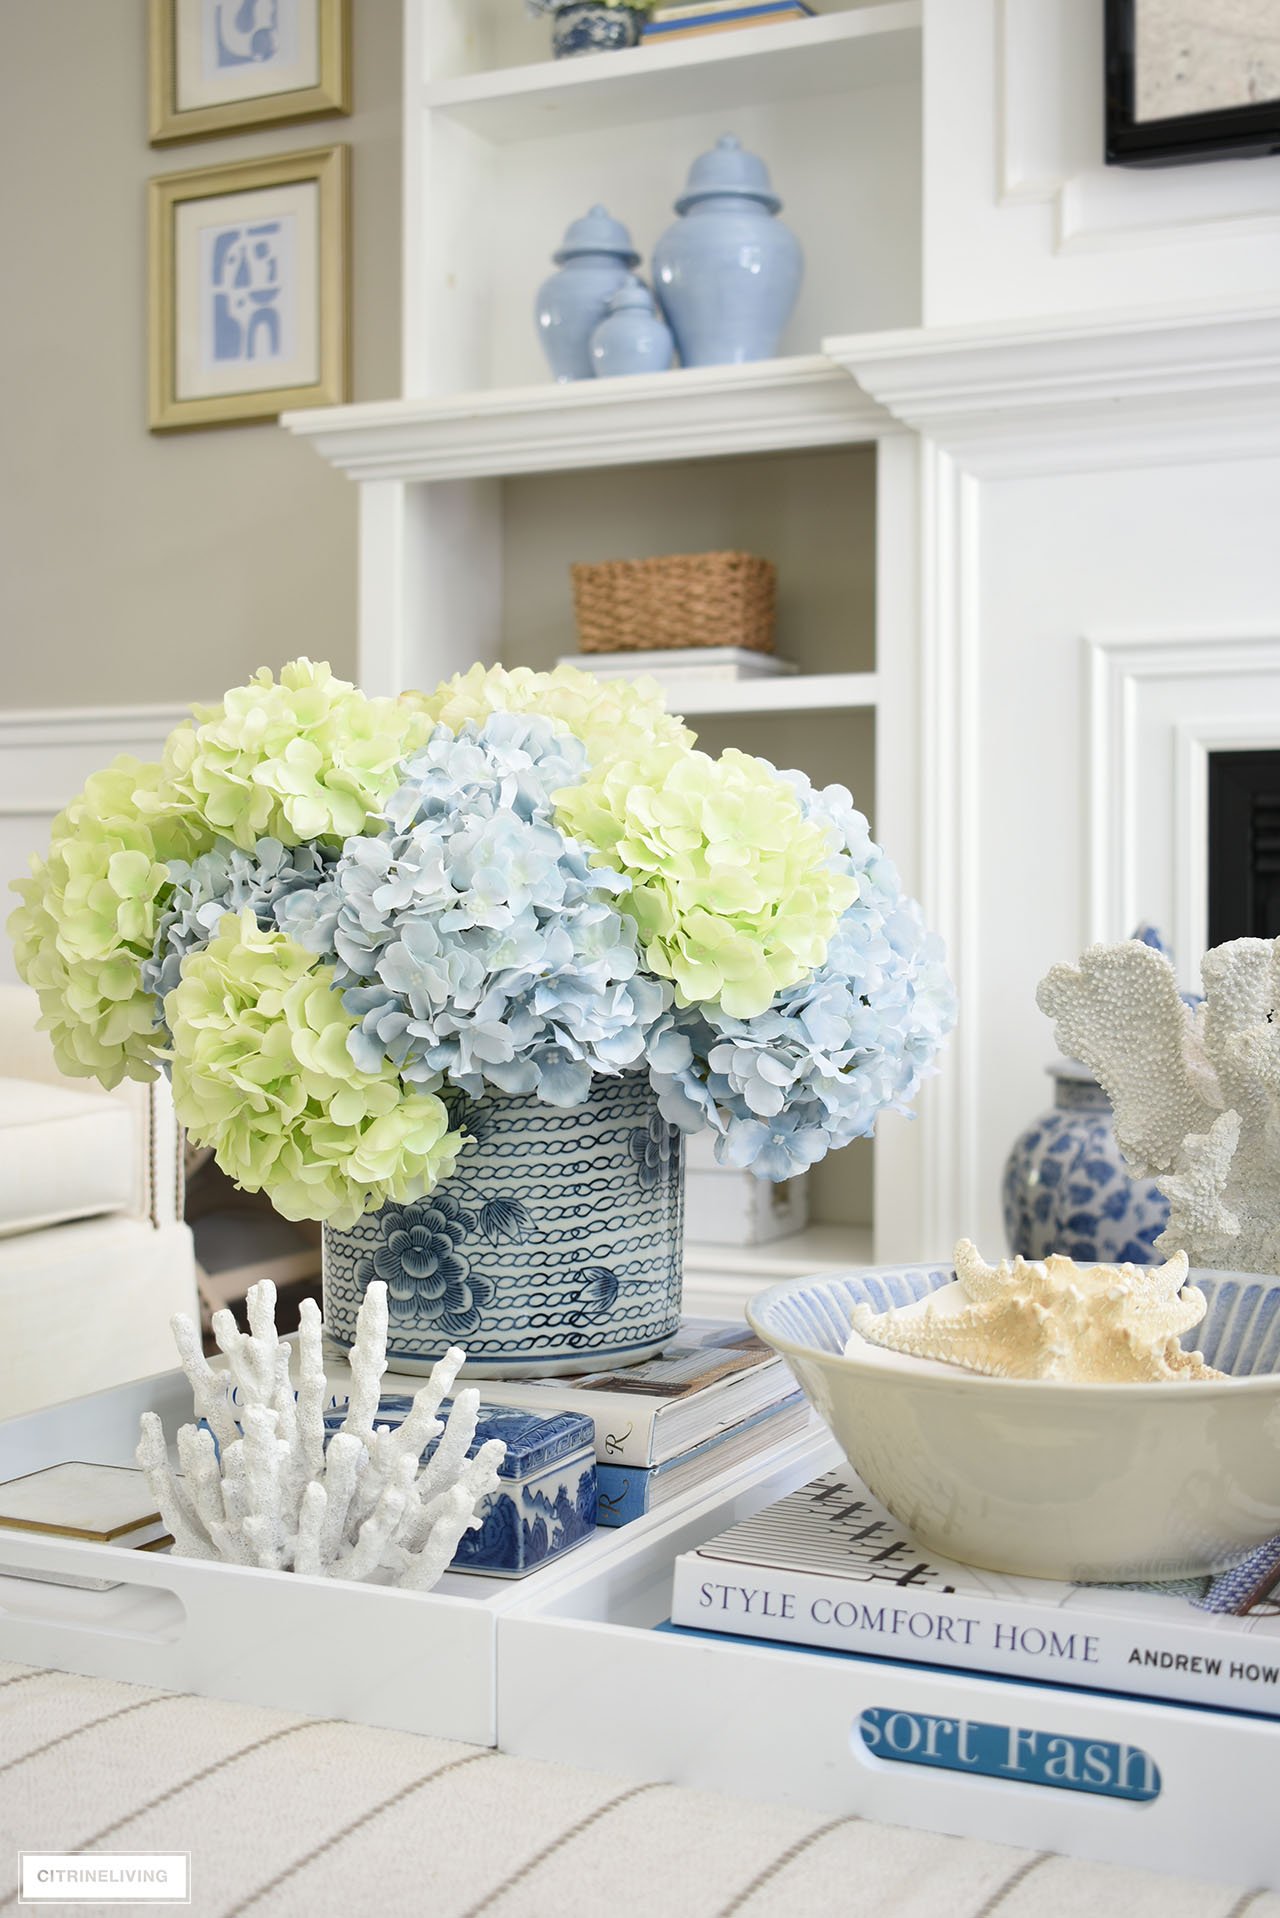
<point>426,1274</point>
<point>1067,1188</point>
<point>652,1147</point>
<point>555,1248</point>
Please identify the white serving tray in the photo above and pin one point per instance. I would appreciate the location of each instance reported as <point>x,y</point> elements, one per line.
<point>406,1660</point>
<point>584,1679</point>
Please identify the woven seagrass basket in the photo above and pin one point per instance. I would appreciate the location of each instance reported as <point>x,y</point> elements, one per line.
<point>681,599</point>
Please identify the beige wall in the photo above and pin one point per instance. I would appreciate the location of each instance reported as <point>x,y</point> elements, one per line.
<point>137,568</point>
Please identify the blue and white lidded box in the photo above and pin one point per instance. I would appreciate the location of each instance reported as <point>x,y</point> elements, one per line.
<point>546,1501</point>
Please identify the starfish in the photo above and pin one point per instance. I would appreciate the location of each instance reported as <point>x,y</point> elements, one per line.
<point>1050,1319</point>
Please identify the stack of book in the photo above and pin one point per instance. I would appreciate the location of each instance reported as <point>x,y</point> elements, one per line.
<point>93,1504</point>
<point>696,17</point>
<point>827,1567</point>
<point>716,1397</point>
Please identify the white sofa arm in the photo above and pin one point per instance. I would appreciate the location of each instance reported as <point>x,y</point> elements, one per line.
<point>25,1053</point>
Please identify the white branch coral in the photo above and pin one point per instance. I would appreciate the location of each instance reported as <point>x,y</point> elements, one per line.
<point>1196,1091</point>
<point>270,1492</point>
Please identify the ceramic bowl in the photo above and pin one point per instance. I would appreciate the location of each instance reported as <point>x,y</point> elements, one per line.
<point>1148,1481</point>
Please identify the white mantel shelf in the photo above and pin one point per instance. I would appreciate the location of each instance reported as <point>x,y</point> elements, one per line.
<point>692,413</point>
<point>1197,381</point>
<point>835,53</point>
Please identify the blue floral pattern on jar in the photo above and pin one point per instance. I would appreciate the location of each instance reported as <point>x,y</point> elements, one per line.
<point>652,1147</point>
<point>1067,1188</point>
<point>556,1247</point>
<point>427,1276</point>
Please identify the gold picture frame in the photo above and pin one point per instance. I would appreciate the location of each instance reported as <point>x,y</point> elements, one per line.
<point>249,289</point>
<point>330,27</point>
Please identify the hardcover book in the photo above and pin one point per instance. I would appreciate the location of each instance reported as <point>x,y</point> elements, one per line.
<point>629,1491</point>
<point>96,1504</point>
<point>699,10</point>
<point>712,1376</point>
<point>699,24</point>
<point>828,1567</point>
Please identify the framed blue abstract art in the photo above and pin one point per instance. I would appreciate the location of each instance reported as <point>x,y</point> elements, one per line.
<point>222,65</point>
<point>249,289</point>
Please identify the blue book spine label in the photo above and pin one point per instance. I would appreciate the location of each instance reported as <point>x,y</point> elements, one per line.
<point>656,29</point>
<point>622,1493</point>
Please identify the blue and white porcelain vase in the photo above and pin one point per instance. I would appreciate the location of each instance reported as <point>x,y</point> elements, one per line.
<point>593,27</point>
<point>632,337</point>
<point>1067,1188</point>
<point>727,273</point>
<point>555,1247</point>
<point>595,258</point>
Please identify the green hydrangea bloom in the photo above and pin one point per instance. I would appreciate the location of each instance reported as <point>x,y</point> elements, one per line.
<point>620,719</point>
<point>304,758</point>
<point>262,1073</point>
<point>89,918</point>
<point>735,892</point>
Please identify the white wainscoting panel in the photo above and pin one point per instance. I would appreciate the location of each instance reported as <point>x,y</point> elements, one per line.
<point>45,758</point>
<point>1158,706</point>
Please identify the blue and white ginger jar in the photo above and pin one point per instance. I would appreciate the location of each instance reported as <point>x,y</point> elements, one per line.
<point>594,259</point>
<point>1067,1188</point>
<point>728,272</point>
<point>592,27</point>
<point>546,1501</point>
<point>555,1248</point>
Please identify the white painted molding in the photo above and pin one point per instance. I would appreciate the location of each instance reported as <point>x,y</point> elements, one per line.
<point>45,757</point>
<point>1194,740</point>
<point>692,413</point>
<point>1035,396</point>
<point>40,747</point>
<point>949,834</point>
<point>1124,673</point>
<point>1046,60</point>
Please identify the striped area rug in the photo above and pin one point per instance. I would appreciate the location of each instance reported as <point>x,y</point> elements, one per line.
<point>285,1815</point>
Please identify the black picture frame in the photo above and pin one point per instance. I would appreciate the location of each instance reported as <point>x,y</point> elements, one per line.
<point>1232,133</point>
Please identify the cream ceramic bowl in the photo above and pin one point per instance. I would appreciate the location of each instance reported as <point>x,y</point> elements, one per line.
<point>1149,1481</point>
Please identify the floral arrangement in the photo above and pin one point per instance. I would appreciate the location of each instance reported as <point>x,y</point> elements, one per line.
<point>336,921</point>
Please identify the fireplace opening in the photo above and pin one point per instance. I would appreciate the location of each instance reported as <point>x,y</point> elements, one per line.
<point>1244,846</point>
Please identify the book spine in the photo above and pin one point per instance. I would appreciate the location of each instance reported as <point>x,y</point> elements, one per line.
<point>626,1434</point>
<point>1099,1651</point>
<point>693,29</point>
<point>623,1494</point>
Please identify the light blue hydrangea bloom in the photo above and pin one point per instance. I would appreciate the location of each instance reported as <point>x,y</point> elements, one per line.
<point>475,944</point>
<point>277,882</point>
<point>814,1070</point>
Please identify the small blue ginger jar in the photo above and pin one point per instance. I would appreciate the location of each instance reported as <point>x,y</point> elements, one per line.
<point>727,273</point>
<point>632,337</point>
<point>1067,1188</point>
<point>595,258</point>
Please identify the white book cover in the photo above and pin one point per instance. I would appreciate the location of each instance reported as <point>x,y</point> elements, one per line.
<point>683,665</point>
<point>710,1377</point>
<point>828,1567</point>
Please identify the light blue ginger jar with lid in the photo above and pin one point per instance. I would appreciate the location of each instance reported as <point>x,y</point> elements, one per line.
<point>595,258</point>
<point>632,337</point>
<point>727,273</point>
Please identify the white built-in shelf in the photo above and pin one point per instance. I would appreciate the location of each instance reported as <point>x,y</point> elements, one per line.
<point>835,53</point>
<point>804,693</point>
<point>819,1248</point>
<point>698,412</point>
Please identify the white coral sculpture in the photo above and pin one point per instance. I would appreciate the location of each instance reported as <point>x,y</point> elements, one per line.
<point>1196,1091</point>
<point>271,1493</point>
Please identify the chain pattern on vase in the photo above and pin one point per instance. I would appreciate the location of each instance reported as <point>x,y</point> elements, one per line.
<point>555,1248</point>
